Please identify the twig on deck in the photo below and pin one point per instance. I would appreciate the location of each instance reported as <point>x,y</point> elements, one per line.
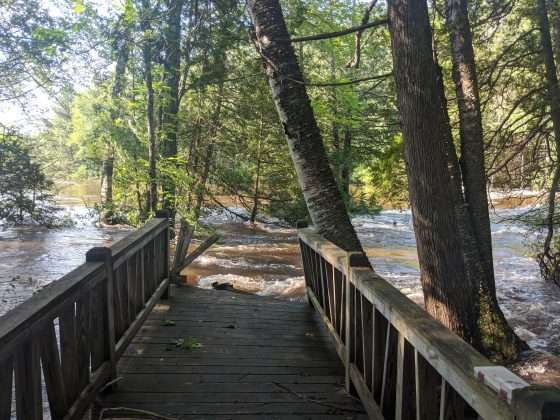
<point>315,401</point>
<point>125,410</point>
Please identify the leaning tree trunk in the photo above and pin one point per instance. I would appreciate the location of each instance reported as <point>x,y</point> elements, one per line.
<point>549,259</point>
<point>150,116</point>
<point>449,294</point>
<point>170,105</point>
<point>470,120</point>
<point>320,190</point>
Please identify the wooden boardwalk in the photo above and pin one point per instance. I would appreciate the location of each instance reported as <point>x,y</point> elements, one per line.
<point>259,358</point>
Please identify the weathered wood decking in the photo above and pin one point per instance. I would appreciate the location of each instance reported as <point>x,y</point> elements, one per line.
<point>260,358</point>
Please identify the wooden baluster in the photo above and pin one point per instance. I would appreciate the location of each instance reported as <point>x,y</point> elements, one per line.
<point>367,340</point>
<point>443,399</point>
<point>83,317</point>
<point>52,372</point>
<point>131,279</point>
<point>428,384</point>
<point>6,379</point>
<point>390,373</point>
<point>103,254</point>
<point>69,351</point>
<point>358,346</point>
<point>378,361</point>
<point>29,402</point>
<point>125,297</point>
<point>343,309</point>
<point>99,350</point>
<point>326,288</point>
<point>142,291</point>
<point>405,399</point>
<point>165,257</point>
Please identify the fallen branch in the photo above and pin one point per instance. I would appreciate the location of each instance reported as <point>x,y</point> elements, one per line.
<point>315,401</point>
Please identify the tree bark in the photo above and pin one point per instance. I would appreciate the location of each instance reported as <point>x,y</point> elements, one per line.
<point>449,295</point>
<point>150,116</point>
<point>472,141</point>
<point>548,259</point>
<point>323,198</point>
<point>346,167</point>
<point>121,48</point>
<point>170,106</point>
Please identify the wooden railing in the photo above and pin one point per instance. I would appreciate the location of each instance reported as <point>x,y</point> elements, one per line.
<point>401,362</point>
<point>75,329</point>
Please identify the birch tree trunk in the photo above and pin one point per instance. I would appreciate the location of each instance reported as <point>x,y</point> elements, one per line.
<point>320,190</point>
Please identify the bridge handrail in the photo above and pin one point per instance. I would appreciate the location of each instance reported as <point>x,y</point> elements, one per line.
<point>75,329</point>
<point>401,362</point>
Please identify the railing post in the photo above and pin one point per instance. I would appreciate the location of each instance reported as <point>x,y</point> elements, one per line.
<point>164,214</point>
<point>536,403</point>
<point>104,255</point>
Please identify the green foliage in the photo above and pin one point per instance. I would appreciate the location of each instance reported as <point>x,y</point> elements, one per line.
<point>25,191</point>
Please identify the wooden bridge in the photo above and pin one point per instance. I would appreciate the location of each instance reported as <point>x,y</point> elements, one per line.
<point>108,341</point>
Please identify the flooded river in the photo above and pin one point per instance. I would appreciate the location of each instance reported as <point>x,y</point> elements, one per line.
<point>264,259</point>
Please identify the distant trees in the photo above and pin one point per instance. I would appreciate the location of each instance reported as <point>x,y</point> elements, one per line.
<point>25,192</point>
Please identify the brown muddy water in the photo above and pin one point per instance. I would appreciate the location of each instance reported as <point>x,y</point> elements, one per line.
<point>264,259</point>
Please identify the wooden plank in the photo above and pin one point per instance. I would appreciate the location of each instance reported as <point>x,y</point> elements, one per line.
<point>52,372</point>
<point>428,389</point>
<point>28,382</point>
<point>69,351</point>
<point>99,351</point>
<point>135,326</point>
<point>369,403</point>
<point>84,339</point>
<point>448,354</point>
<point>25,320</point>
<point>6,379</point>
<point>405,389</point>
<point>104,255</point>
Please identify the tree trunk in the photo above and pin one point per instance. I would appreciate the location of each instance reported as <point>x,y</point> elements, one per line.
<point>256,191</point>
<point>320,190</point>
<point>472,142</point>
<point>549,258</point>
<point>346,167</point>
<point>122,49</point>
<point>148,78</point>
<point>448,293</point>
<point>170,105</point>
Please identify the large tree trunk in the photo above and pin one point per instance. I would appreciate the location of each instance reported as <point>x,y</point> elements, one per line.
<point>170,106</point>
<point>549,259</point>
<point>449,295</point>
<point>323,198</point>
<point>472,142</point>
<point>150,116</point>
<point>451,263</point>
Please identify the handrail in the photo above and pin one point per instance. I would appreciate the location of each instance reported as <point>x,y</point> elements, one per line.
<point>401,362</point>
<point>75,329</point>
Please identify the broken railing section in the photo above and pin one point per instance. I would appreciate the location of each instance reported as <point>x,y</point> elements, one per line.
<point>75,330</point>
<point>401,362</point>
<point>181,259</point>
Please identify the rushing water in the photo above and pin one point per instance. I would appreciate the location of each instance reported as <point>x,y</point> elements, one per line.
<point>264,259</point>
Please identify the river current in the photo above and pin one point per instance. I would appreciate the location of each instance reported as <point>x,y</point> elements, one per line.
<point>264,259</point>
